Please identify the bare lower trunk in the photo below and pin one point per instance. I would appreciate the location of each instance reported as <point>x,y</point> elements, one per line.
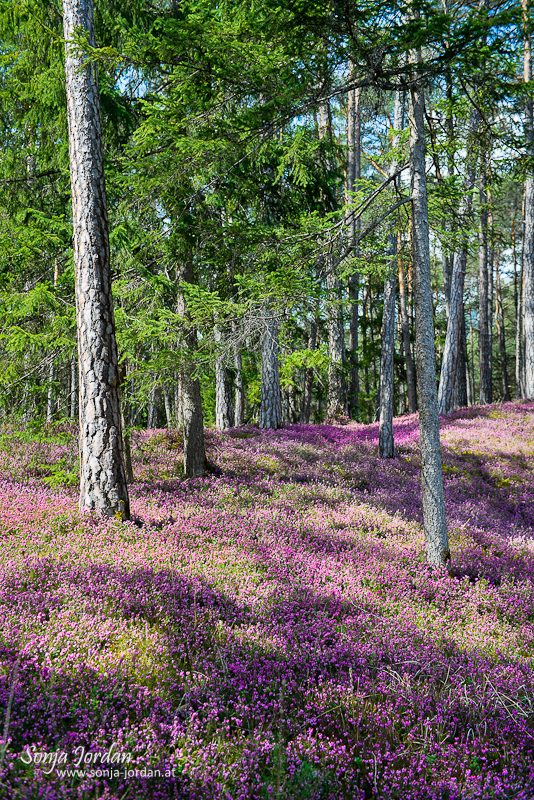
<point>154,400</point>
<point>484,320</point>
<point>168,406</point>
<point>528,224</point>
<point>103,484</point>
<point>73,399</point>
<point>337,392</point>
<point>223,399</point>
<point>518,307</point>
<point>386,443</point>
<point>460,384</point>
<point>453,351</point>
<point>405,322</point>
<point>239,401</point>
<point>499,317</point>
<point>353,177</point>
<point>270,400</point>
<point>50,403</point>
<point>308,377</point>
<point>435,525</point>
<point>191,405</point>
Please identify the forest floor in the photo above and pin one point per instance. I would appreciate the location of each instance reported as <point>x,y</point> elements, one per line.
<point>271,631</point>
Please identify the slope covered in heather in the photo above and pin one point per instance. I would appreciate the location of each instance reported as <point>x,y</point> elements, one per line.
<point>272,630</point>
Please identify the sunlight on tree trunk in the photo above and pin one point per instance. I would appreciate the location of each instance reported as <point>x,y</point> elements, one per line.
<point>102,471</point>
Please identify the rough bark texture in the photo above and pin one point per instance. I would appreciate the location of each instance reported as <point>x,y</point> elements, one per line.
<point>386,445</point>
<point>191,406</point>
<point>460,384</point>
<point>270,400</point>
<point>353,176</point>
<point>308,377</point>
<point>73,399</point>
<point>337,390</point>
<point>223,398</point>
<point>102,471</point>
<point>435,525</point>
<point>528,224</point>
<point>453,349</point>
<point>484,319</point>
<point>499,317</point>
<point>405,323</point>
<point>239,397</point>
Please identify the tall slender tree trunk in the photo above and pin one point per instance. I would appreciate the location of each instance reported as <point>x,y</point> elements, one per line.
<point>154,400</point>
<point>405,323</point>
<point>484,321</point>
<point>270,399</point>
<point>460,383</point>
<point>103,485</point>
<point>308,376</point>
<point>435,525</point>
<point>518,312</point>
<point>191,405</point>
<point>353,177</point>
<point>453,350</point>
<point>73,399</point>
<point>337,389</point>
<point>223,399</point>
<point>528,219</point>
<point>499,316</point>
<point>239,396</point>
<point>386,444</point>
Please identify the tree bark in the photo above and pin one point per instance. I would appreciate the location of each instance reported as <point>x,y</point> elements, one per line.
<point>386,444</point>
<point>308,377</point>
<point>239,397</point>
<point>528,221</point>
<point>193,422</point>
<point>73,399</point>
<point>223,399</point>
<point>154,400</point>
<point>484,320</point>
<point>405,323</point>
<point>270,400</point>
<point>450,369</point>
<point>353,177</point>
<point>435,525</point>
<point>103,484</point>
<point>499,316</point>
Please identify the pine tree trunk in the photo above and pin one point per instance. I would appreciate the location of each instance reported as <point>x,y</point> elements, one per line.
<point>484,322</point>
<point>308,377</point>
<point>337,392</point>
<point>451,370</point>
<point>223,400</point>
<point>502,335</point>
<point>193,421</point>
<point>460,383</point>
<point>518,306</point>
<point>528,223</point>
<point>73,411</point>
<point>50,404</point>
<point>102,475</point>
<point>239,398</point>
<point>405,323</point>
<point>435,525</point>
<point>386,444</point>
<point>168,406</point>
<point>270,400</point>
<point>353,177</point>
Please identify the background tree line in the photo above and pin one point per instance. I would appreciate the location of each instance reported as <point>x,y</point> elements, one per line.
<point>290,187</point>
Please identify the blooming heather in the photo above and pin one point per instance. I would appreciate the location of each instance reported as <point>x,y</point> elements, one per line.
<point>272,630</point>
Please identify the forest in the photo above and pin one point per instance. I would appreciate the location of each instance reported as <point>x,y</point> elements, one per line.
<point>266,399</point>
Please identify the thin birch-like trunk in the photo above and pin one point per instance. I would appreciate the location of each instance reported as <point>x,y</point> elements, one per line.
<point>435,525</point>
<point>103,484</point>
<point>239,396</point>
<point>484,320</point>
<point>407,344</point>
